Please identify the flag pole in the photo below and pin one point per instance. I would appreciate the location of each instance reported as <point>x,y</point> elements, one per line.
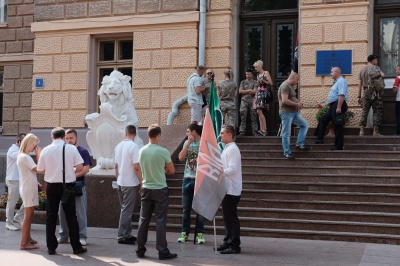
<point>215,238</point>
<point>195,229</point>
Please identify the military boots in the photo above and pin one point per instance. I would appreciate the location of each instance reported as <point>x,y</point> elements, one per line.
<point>376,132</point>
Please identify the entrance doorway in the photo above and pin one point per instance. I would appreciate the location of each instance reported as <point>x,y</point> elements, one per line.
<point>268,33</point>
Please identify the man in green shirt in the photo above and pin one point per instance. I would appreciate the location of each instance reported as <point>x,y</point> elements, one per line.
<point>155,162</point>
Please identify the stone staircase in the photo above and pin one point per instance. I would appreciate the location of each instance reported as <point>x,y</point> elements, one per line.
<point>349,195</point>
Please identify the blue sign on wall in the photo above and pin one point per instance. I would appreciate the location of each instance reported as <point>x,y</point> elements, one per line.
<point>39,83</point>
<point>334,58</point>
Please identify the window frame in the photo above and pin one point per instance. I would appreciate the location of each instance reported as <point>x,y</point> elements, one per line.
<point>3,11</point>
<point>115,64</point>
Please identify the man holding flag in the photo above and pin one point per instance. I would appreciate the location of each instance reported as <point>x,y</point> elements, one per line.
<point>232,166</point>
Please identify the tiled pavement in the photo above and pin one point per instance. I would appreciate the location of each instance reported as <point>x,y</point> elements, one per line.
<point>103,249</point>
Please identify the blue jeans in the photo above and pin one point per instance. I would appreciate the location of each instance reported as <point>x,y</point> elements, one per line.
<point>187,199</point>
<point>287,120</point>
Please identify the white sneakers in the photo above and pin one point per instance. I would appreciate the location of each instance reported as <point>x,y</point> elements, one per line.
<point>17,221</point>
<point>11,227</point>
<point>83,242</point>
<point>62,241</point>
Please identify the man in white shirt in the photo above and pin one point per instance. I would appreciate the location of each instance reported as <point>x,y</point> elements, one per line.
<point>12,182</point>
<point>51,165</point>
<point>129,180</point>
<point>232,165</point>
<point>195,97</point>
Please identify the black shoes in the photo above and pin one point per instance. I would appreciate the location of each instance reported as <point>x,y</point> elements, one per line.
<point>318,141</point>
<point>303,148</point>
<point>128,240</point>
<point>231,250</point>
<point>51,252</point>
<point>222,247</point>
<point>80,251</point>
<point>288,156</point>
<point>140,254</point>
<point>166,256</point>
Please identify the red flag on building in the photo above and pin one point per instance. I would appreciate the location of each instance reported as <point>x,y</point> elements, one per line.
<point>210,187</point>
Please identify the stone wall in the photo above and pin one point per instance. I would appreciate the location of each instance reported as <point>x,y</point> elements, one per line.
<point>16,39</point>
<point>339,25</point>
<point>63,63</point>
<point>165,54</point>
<point>46,10</point>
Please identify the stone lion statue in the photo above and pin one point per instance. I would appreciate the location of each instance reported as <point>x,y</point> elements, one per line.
<point>117,91</point>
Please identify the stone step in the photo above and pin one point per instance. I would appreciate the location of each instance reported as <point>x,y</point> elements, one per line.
<point>311,195</point>
<point>300,224</point>
<point>320,147</point>
<point>321,154</point>
<point>338,205</point>
<point>351,139</point>
<point>285,233</point>
<point>310,162</point>
<point>350,216</point>
<point>320,169</point>
<point>311,186</point>
<point>306,177</point>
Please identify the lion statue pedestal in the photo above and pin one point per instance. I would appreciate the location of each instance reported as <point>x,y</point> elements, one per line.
<point>107,129</point>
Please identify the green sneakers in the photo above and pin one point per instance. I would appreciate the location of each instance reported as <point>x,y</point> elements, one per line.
<point>183,237</point>
<point>200,239</point>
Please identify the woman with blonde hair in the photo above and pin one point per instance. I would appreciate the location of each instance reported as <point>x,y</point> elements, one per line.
<point>227,90</point>
<point>28,187</point>
<point>261,100</point>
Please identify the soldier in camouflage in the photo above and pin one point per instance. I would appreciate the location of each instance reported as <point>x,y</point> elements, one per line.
<point>248,89</point>
<point>369,98</point>
<point>208,80</point>
<point>227,94</point>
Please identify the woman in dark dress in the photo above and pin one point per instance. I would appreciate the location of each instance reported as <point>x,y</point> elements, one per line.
<point>261,102</point>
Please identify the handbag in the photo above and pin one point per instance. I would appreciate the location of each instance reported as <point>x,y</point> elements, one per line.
<point>338,120</point>
<point>68,189</point>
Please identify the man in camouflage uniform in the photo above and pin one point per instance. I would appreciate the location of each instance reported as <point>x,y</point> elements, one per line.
<point>370,98</point>
<point>247,90</point>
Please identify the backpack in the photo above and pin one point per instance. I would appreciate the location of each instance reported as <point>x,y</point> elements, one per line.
<point>375,80</point>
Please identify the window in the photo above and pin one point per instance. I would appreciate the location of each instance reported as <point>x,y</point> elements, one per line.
<point>113,55</point>
<point>390,45</point>
<point>266,5</point>
<point>3,11</point>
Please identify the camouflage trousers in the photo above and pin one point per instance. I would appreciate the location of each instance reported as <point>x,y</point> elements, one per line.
<point>245,108</point>
<point>369,99</point>
<point>228,112</point>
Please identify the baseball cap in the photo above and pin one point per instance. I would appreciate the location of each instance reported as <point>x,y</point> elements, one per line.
<point>372,57</point>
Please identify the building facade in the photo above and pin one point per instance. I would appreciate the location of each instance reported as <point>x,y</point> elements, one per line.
<point>156,42</point>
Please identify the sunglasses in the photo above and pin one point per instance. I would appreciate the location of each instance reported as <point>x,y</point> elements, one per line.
<point>209,73</point>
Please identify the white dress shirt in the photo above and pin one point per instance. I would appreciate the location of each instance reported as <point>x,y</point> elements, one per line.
<point>127,154</point>
<point>51,162</point>
<point>12,168</point>
<point>232,164</point>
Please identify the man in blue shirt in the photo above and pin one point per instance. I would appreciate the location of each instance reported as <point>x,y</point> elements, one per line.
<point>337,98</point>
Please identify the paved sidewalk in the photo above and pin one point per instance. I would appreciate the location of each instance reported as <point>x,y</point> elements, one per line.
<point>104,250</point>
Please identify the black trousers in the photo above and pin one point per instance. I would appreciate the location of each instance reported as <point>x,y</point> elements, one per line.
<point>156,200</point>
<point>231,221</point>
<point>54,194</point>
<point>339,129</point>
<point>397,112</point>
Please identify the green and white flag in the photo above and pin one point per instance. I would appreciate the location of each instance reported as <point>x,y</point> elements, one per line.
<point>216,114</point>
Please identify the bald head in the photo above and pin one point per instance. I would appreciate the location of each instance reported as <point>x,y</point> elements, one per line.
<point>336,72</point>
<point>293,78</point>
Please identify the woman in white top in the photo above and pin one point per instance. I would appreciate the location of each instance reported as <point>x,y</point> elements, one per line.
<point>28,187</point>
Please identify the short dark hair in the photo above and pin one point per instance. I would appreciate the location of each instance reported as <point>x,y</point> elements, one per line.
<point>229,129</point>
<point>130,129</point>
<point>58,133</point>
<point>20,135</point>
<point>249,70</point>
<point>71,130</point>
<point>196,128</point>
<point>200,68</point>
<point>153,131</point>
